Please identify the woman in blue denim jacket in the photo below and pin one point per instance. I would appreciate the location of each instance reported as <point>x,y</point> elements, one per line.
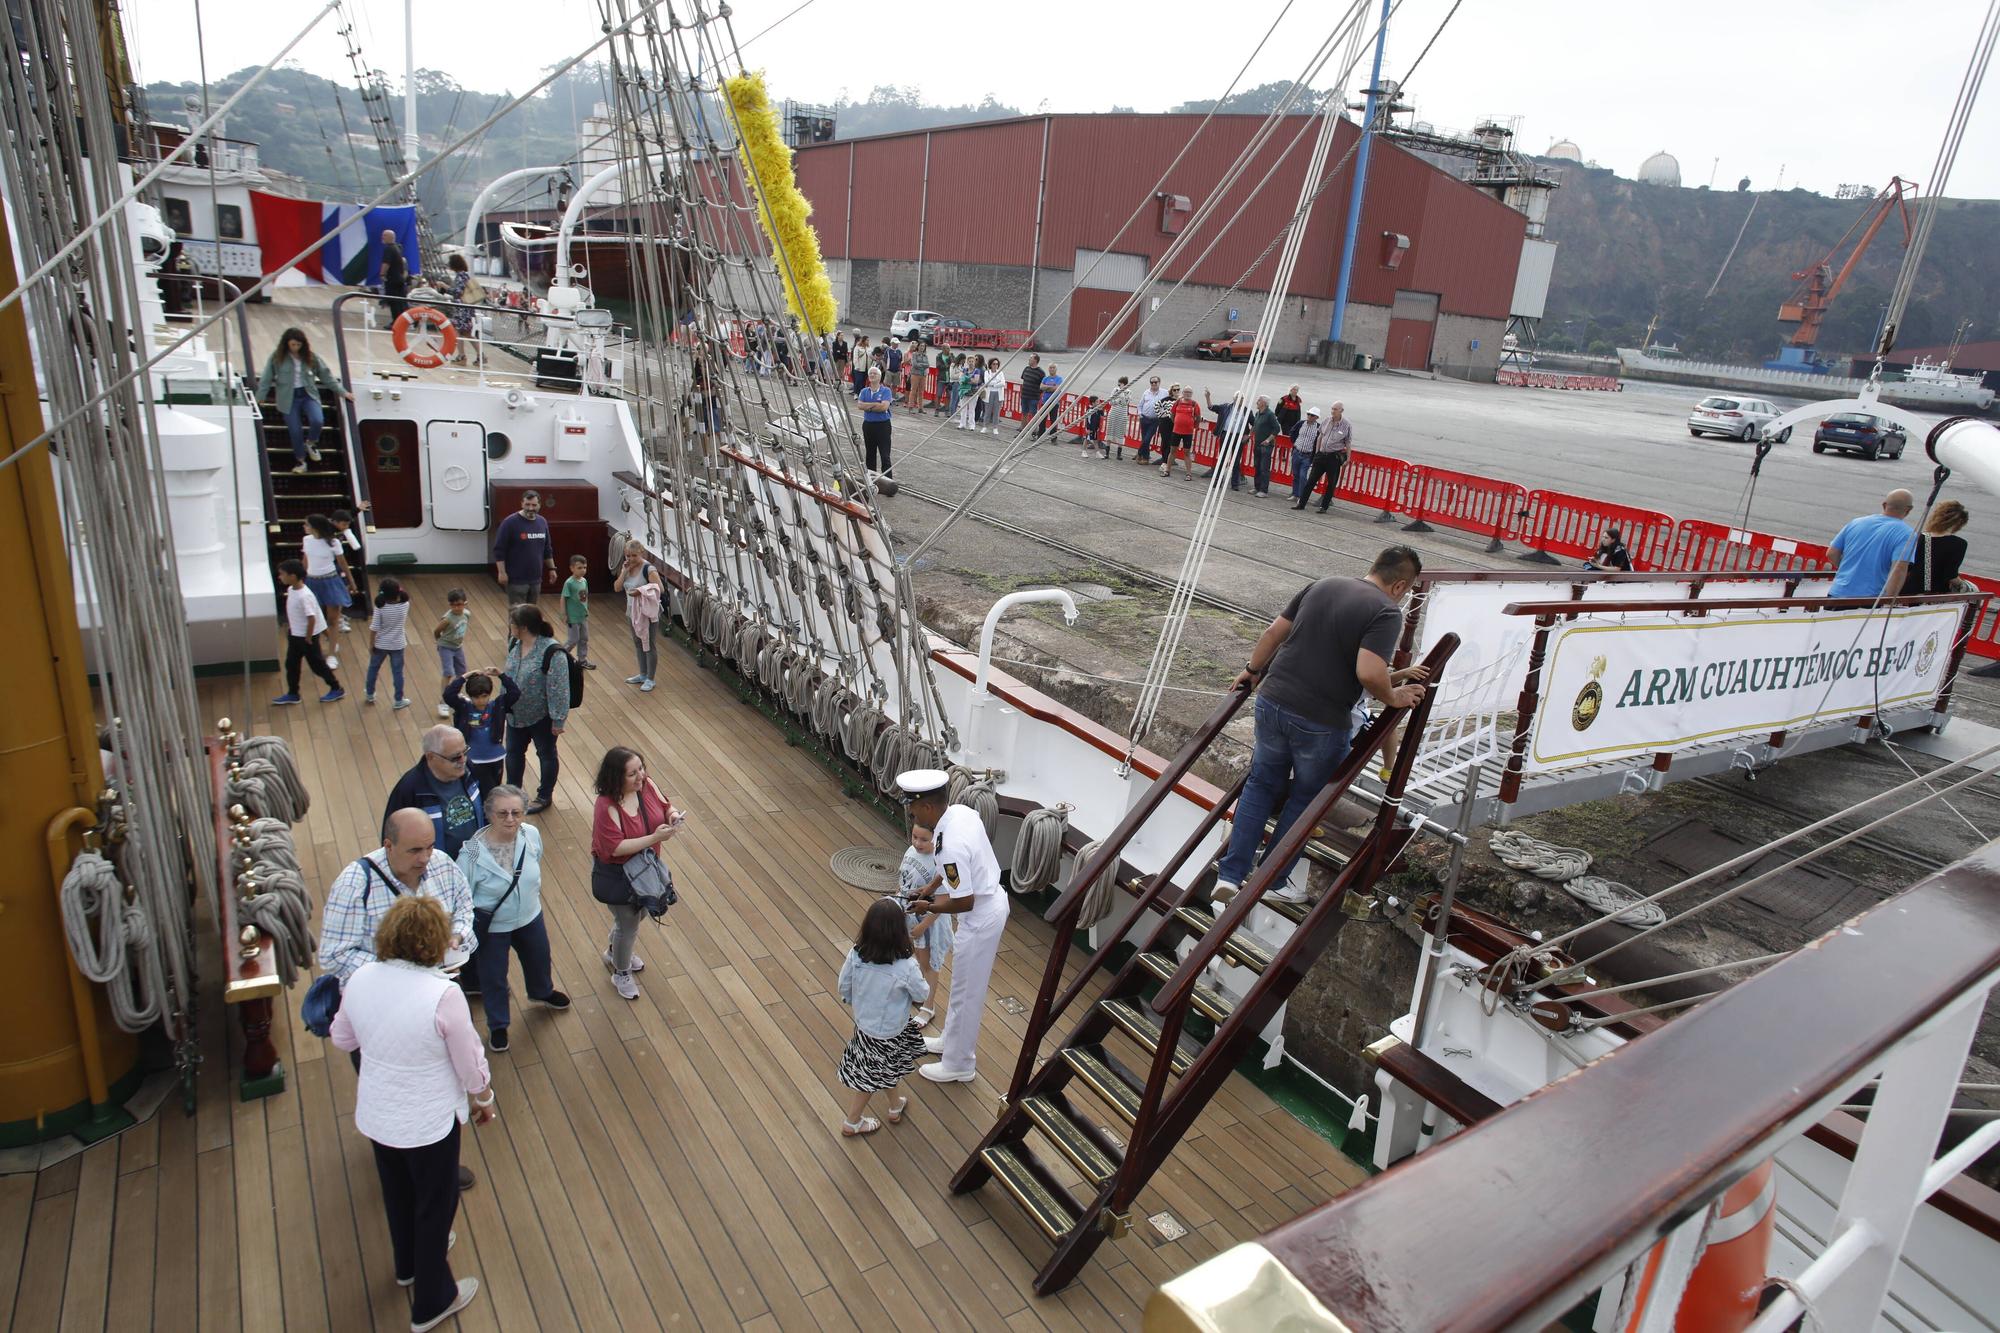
<point>292,379</point>
<point>879,982</point>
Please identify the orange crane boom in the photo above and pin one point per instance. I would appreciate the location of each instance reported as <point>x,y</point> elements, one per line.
<point>1819,284</point>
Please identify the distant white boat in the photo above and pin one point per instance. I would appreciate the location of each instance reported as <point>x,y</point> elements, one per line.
<point>1924,385</point>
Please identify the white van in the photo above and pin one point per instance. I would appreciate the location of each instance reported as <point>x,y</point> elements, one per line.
<point>907,323</point>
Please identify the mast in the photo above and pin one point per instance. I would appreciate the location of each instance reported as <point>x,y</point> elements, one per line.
<point>62,1060</point>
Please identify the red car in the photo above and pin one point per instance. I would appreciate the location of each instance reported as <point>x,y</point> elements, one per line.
<point>1231,346</point>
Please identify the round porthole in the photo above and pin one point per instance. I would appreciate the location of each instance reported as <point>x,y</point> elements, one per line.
<point>497,444</point>
<point>387,445</point>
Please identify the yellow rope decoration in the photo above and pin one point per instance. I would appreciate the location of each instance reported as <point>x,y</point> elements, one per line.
<point>781,207</point>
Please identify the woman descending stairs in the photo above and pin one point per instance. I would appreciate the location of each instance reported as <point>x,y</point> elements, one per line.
<point>1157,1043</point>
<point>324,486</point>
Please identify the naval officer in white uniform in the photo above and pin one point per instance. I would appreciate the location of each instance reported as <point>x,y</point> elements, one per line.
<point>971,891</point>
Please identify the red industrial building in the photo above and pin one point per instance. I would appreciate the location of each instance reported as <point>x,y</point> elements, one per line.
<point>995,222</point>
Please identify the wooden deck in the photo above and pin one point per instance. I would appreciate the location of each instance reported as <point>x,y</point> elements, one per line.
<point>669,1164</point>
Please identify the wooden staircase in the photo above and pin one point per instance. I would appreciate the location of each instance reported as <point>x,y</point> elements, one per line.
<point>289,496</point>
<point>1157,1042</point>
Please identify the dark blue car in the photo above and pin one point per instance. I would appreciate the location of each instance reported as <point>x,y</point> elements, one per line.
<point>1862,433</point>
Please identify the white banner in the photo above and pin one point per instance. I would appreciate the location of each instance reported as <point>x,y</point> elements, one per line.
<point>1614,690</point>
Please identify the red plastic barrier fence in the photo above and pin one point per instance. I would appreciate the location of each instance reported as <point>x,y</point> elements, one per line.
<point>1572,525</point>
<point>1542,379</point>
<point>1004,340</point>
<point>1375,480</point>
<point>1700,544</point>
<point>1465,501</point>
<point>1985,640</point>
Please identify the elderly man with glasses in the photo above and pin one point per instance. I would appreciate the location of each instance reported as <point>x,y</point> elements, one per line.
<point>441,784</point>
<point>408,862</point>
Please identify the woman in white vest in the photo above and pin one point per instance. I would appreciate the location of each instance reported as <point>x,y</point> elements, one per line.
<point>422,1059</point>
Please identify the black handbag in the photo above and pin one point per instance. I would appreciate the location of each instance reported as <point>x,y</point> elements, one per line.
<point>482,917</point>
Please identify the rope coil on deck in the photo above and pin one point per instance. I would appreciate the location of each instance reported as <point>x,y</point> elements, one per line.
<point>1097,898</point>
<point>1038,849</point>
<point>1566,866</point>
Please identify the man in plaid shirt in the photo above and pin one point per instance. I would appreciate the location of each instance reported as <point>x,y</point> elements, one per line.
<point>407,862</point>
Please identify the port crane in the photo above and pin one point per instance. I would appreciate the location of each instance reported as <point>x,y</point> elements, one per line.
<point>1819,283</point>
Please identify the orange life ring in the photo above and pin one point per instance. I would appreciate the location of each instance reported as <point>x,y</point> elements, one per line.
<point>1722,1293</point>
<point>436,341</point>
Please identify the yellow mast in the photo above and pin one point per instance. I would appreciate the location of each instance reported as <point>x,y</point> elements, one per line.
<point>61,1058</point>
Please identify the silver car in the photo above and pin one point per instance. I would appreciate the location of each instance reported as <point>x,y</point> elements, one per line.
<point>1736,417</point>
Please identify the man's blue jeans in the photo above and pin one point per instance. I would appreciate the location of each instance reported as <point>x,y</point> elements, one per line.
<point>1292,760</point>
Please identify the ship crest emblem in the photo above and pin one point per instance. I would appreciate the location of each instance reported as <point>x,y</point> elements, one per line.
<point>1927,655</point>
<point>1590,699</point>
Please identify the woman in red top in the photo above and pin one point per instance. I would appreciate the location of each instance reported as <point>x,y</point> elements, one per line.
<point>631,816</point>
<point>1181,421</point>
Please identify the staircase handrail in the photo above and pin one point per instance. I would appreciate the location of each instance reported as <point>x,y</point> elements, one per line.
<point>1064,911</point>
<point>1175,992</point>
<point>1667,1122</point>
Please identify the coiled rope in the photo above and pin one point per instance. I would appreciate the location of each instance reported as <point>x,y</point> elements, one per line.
<point>1097,899</point>
<point>857,734</point>
<point>1566,866</point>
<point>124,957</point>
<point>1038,849</point>
<point>983,801</point>
<point>267,780</point>
<point>282,905</point>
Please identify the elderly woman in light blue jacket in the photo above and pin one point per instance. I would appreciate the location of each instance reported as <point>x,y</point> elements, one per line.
<point>503,863</point>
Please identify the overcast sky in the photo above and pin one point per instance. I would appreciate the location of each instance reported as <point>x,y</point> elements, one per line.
<point>1829,91</point>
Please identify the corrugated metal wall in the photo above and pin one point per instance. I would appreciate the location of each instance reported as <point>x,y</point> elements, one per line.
<point>822,175</point>
<point>982,201</point>
<point>888,184</point>
<point>1463,244</point>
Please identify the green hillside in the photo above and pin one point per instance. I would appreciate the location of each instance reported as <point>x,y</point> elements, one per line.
<point>1631,250</point>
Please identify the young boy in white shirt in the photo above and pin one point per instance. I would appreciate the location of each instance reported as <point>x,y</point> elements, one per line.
<point>304,623</point>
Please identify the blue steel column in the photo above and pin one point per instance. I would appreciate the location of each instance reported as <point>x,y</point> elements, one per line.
<point>1360,183</point>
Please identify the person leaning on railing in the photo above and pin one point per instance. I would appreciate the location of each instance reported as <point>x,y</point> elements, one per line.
<point>421,1061</point>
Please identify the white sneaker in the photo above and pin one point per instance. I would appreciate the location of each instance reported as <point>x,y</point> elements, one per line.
<point>638,963</point>
<point>937,1073</point>
<point>332,662</point>
<point>622,983</point>
<point>300,470</point>
<point>444,710</point>
<point>1287,893</point>
<point>368,698</point>
<point>1224,890</point>
<point>468,1287</point>
<point>635,680</point>
<point>933,1045</point>
<point>646,687</point>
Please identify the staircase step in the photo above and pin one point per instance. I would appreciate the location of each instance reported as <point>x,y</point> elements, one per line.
<point>1104,1076</point>
<point>1209,1002</point>
<point>1046,1203</point>
<point>1242,947</point>
<point>1077,1142</point>
<point>1139,1024</point>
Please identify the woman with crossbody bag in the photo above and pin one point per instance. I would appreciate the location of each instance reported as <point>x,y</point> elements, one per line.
<point>633,818</point>
<point>503,863</point>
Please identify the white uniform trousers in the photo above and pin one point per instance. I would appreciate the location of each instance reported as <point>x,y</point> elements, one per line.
<point>973,949</point>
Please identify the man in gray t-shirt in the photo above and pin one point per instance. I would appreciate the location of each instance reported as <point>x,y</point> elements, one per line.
<point>1333,641</point>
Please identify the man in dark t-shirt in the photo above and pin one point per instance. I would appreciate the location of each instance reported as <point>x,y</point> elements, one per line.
<point>1333,641</point>
<point>521,555</point>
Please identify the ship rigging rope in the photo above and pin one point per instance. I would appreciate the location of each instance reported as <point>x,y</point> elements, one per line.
<point>79,228</point>
<point>1025,441</point>
<point>1947,157</point>
<point>1511,969</point>
<point>124,955</point>
<point>64,155</point>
